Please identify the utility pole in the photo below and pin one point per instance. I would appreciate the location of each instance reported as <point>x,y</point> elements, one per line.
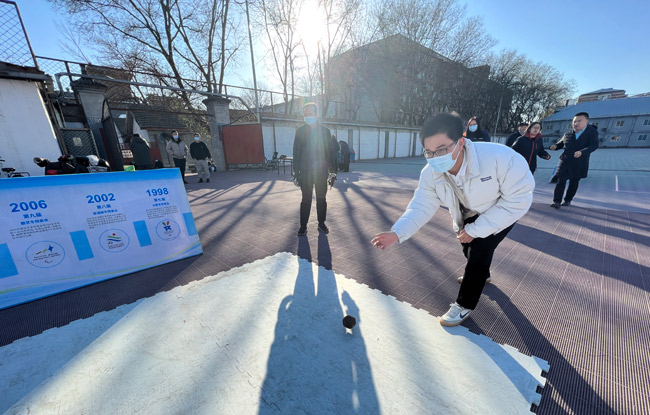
<point>250,40</point>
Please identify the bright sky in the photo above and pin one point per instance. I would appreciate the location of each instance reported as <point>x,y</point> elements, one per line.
<point>598,43</point>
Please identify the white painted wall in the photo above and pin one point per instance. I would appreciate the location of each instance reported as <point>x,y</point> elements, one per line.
<point>366,139</point>
<point>25,126</point>
<point>403,143</point>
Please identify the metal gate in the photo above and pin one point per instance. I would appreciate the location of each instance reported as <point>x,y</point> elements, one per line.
<point>243,146</point>
<point>79,141</point>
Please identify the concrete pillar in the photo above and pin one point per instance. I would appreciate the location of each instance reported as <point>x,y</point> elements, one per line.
<point>218,110</point>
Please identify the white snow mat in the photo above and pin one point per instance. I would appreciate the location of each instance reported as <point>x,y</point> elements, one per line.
<point>266,338</point>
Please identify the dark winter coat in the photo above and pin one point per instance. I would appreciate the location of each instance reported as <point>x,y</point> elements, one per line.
<point>478,135</point>
<point>529,148</point>
<point>141,154</point>
<point>199,151</point>
<point>569,166</point>
<point>312,151</point>
<point>512,138</point>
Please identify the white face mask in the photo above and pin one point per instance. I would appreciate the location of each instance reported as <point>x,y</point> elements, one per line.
<point>442,164</point>
<point>310,120</point>
<point>473,128</point>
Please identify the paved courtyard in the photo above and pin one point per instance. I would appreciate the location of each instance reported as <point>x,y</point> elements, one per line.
<point>569,286</point>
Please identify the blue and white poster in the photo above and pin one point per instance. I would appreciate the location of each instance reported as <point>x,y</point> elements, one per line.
<point>58,233</point>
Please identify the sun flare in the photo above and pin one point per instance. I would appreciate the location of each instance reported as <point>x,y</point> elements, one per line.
<point>312,27</point>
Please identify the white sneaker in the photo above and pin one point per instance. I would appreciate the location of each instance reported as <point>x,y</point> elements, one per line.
<point>456,315</point>
<point>460,280</point>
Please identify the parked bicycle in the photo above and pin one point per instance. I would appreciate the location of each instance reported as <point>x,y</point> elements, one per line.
<point>8,172</point>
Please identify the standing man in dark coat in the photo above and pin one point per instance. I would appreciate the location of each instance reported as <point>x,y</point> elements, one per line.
<point>578,145</point>
<point>141,154</point>
<point>345,156</point>
<point>521,130</point>
<point>313,164</point>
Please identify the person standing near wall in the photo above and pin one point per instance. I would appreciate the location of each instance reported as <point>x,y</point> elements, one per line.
<point>474,131</point>
<point>313,160</point>
<point>177,150</point>
<point>201,155</point>
<point>345,156</point>
<point>578,144</point>
<point>141,153</point>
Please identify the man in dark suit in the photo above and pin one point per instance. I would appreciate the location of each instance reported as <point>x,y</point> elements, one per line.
<point>521,130</point>
<point>578,145</point>
<point>313,160</point>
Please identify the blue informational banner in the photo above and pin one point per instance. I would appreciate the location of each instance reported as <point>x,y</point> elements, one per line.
<point>58,233</point>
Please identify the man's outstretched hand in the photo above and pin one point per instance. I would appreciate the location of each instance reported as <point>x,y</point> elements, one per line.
<point>384,240</point>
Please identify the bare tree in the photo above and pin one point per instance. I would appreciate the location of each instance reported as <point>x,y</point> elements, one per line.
<point>535,88</point>
<point>279,21</point>
<point>174,41</point>
<point>441,25</point>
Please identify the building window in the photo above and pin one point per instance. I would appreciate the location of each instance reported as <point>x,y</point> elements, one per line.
<point>620,123</point>
<point>615,138</point>
<point>646,122</point>
<point>643,137</point>
<point>549,126</point>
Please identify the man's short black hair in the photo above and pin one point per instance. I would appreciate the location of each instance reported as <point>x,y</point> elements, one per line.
<point>447,123</point>
<point>522,124</point>
<point>174,131</point>
<point>584,114</point>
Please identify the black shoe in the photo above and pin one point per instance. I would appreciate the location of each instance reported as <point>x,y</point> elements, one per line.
<point>207,180</point>
<point>302,231</point>
<point>555,205</point>
<point>200,181</point>
<point>323,228</point>
<point>566,203</point>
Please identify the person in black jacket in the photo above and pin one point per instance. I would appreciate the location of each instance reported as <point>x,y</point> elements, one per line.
<point>521,130</point>
<point>474,131</point>
<point>345,156</point>
<point>141,154</point>
<point>578,145</point>
<point>313,165</point>
<point>201,155</point>
<point>530,145</point>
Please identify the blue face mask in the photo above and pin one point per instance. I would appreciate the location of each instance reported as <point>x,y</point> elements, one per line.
<point>442,164</point>
<point>473,128</point>
<point>310,120</point>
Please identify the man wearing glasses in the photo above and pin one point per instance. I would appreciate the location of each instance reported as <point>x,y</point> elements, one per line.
<point>487,187</point>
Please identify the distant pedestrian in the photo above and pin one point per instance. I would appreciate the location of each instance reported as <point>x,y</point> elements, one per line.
<point>486,188</point>
<point>344,155</point>
<point>531,145</point>
<point>141,153</point>
<point>474,131</point>
<point>313,166</point>
<point>201,155</point>
<point>177,150</point>
<point>335,152</point>
<point>578,144</point>
<point>521,130</point>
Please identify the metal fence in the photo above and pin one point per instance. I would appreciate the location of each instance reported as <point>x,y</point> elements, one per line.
<point>79,141</point>
<point>14,44</point>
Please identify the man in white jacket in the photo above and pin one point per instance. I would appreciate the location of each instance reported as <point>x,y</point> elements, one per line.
<point>487,187</point>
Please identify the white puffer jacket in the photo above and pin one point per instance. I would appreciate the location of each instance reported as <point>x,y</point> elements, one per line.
<point>497,184</point>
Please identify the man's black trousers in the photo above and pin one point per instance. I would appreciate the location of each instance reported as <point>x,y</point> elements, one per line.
<point>559,189</point>
<point>479,255</point>
<point>309,181</point>
<point>180,163</point>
